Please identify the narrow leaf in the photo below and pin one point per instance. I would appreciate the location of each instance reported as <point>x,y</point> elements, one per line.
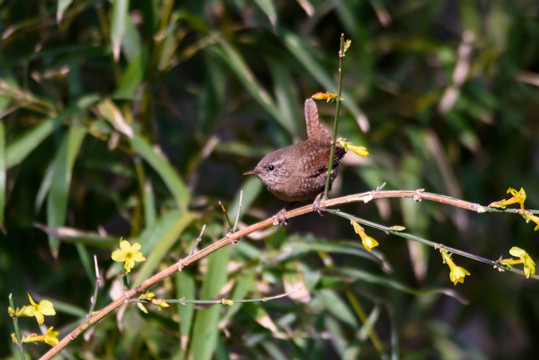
<point>268,7</point>
<point>61,7</point>
<point>296,46</point>
<point>108,109</point>
<point>206,329</point>
<point>61,180</point>
<point>2,173</point>
<point>240,68</point>
<point>160,164</point>
<point>117,29</point>
<point>157,242</point>
<point>19,149</point>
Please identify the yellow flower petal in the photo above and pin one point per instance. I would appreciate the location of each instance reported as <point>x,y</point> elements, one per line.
<point>457,274</point>
<point>125,246</point>
<point>46,308</point>
<point>138,257</point>
<point>39,317</point>
<point>51,337</point>
<point>516,251</point>
<point>118,256</point>
<point>369,243</point>
<point>135,248</point>
<point>529,264</point>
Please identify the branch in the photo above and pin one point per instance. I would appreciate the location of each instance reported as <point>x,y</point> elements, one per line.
<point>416,195</point>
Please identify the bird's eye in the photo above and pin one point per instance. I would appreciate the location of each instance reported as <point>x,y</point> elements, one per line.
<point>271,167</point>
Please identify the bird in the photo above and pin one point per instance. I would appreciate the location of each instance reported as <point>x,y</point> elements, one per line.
<point>298,172</point>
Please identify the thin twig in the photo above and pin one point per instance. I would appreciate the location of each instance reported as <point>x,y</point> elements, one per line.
<point>98,281</point>
<point>184,301</point>
<point>336,121</point>
<point>199,238</point>
<point>17,329</point>
<point>226,214</point>
<point>238,212</point>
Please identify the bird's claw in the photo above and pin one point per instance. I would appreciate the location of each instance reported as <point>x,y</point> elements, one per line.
<point>316,204</point>
<point>280,218</point>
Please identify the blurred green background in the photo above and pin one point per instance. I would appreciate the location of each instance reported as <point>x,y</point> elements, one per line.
<point>134,119</point>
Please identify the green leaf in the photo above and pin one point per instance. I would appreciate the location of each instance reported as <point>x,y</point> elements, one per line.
<point>132,77</point>
<point>251,188</point>
<point>120,10</point>
<point>43,188</point>
<point>206,327</point>
<point>185,288</point>
<point>61,181</point>
<point>149,204</point>
<point>296,46</point>
<point>160,164</point>
<point>268,7</point>
<point>131,42</point>
<point>108,109</point>
<point>61,7</point>
<point>244,283</point>
<point>240,68</point>
<point>286,94</point>
<point>19,149</point>
<point>157,241</point>
<point>76,236</point>
<point>2,173</point>
<point>337,307</point>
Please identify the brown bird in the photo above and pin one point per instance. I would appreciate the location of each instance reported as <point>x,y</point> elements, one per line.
<point>298,172</point>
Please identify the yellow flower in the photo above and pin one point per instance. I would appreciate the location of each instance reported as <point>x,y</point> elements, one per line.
<point>128,254</point>
<point>328,96</point>
<point>228,302</point>
<point>518,198</point>
<point>50,337</point>
<point>528,215</point>
<point>456,273</point>
<point>45,307</point>
<point>523,258</point>
<point>368,242</point>
<point>358,150</point>
<point>149,296</point>
<point>161,304</point>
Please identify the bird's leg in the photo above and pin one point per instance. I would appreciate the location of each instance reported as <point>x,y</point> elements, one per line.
<point>280,217</point>
<point>316,204</point>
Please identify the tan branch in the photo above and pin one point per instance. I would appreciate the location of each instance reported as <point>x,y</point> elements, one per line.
<point>365,197</point>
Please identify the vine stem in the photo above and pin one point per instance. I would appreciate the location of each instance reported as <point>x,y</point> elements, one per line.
<point>365,197</point>
<point>336,121</point>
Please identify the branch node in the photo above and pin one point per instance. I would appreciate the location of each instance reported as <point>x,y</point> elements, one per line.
<point>180,265</point>
<point>417,195</point>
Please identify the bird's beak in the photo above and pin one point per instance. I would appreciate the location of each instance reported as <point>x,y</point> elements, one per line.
<point>250,172</point>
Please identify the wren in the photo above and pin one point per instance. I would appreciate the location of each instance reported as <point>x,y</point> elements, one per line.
<point>298,172</point>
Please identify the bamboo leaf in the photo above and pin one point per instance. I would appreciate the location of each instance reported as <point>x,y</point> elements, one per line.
<point>157,241</point>
<point>239,66</point>
<point>268,7</point>
<point>19,149</point>
<point>296,46</point>
<point>108,109</point>
<point>2,173</point>
<point>185,288</point>
<point>160,164</point>
<point>120,10</point>
<point>61,7</point>
<point>61,181</point>
<point>206,329</point>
